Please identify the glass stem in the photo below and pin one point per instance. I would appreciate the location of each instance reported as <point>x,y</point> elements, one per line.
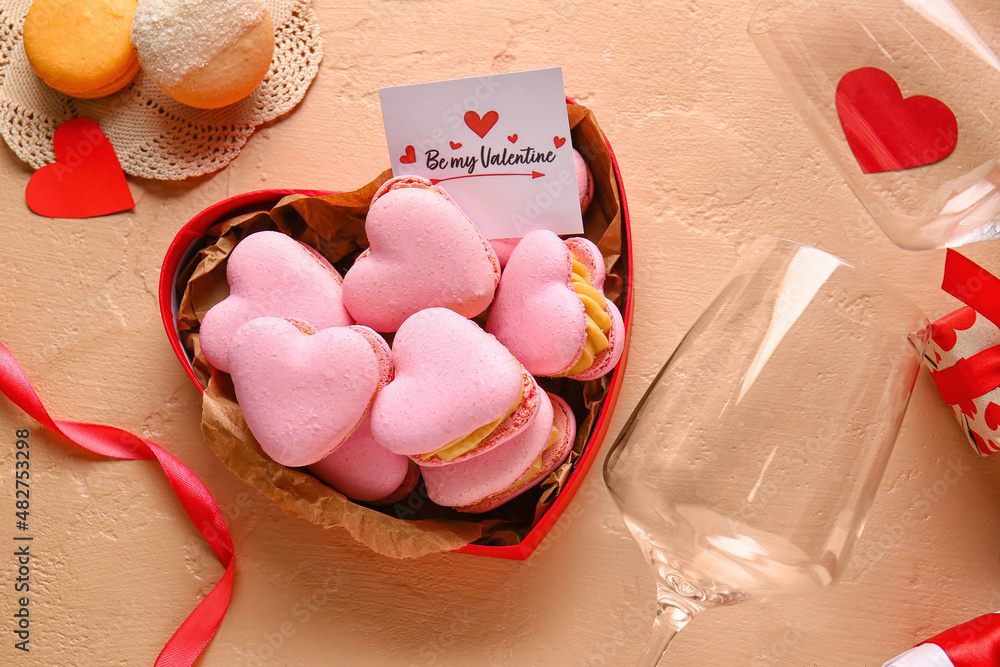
<point>673,612</point>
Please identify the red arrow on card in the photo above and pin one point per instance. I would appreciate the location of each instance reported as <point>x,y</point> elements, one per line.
<point>435,181</point>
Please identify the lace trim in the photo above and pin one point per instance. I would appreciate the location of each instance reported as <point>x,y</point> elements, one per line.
<point>154,136</point>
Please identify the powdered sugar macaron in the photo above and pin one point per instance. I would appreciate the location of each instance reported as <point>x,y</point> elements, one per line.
<point>204,53</point>
<point>457,393</point>
<point>550,310</point>
<point>303,391</point>
<point>365,471</point>
<point>488,481</point>
<point>424,253</point>
<point>271,274</point>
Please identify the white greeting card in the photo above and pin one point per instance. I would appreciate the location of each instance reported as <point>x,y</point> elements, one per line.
<point>499,145</point>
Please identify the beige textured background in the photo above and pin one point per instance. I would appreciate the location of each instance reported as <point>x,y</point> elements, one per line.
<point>712,156</point>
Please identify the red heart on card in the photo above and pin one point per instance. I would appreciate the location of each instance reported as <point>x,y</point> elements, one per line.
<point>559,141</point>
<point>409,157</point>
<point>887,132</point>
<point>512,138</point>
<point>992,415</point>
<point>481,125</point>
<point>943,331</point>
<point>454,146</point>
<point>85,181</point>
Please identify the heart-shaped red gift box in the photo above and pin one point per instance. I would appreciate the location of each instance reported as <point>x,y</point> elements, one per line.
<point>192,238</point>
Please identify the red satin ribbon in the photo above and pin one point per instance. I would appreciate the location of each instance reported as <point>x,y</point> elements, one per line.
<point>975,643</point>
<point>193,635</point>
<point>972,285</point>
<point>972,377</point>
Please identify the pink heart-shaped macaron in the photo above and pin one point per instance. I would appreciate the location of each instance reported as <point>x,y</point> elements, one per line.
<point>272,275</point>
<point>302,391</point>
<point>509,470</point>
<point>364,470</point>
<point>541,314</point>
<point>424,252</point>
<point>452,378</point>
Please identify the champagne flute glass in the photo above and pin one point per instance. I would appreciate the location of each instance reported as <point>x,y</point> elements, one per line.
<point>747,469</point>
<point>875,81</point>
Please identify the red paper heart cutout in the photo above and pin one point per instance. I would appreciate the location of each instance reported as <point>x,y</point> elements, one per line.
<point>887,132</point>
<point>992,415</point>
<point>409,157</point>
<point>943,331</point>
<point>85,181</point>
<point>559,141</point>
<point>454,145</point>
<point>481,126</point>
<point>512,138</point>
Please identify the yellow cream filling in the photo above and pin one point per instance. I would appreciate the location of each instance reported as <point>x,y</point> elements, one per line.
<point>598,319</point>
<point>467,443</point>
<point>536,465</point>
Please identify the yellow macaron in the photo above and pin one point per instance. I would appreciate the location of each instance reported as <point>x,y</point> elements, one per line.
<point>81,47</point>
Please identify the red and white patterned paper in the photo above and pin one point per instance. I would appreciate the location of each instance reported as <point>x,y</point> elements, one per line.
<point>964,353</point>
<point>957,336</point>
